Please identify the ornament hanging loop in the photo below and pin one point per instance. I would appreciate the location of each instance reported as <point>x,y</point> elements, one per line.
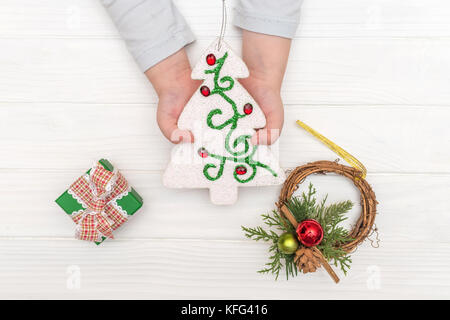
<point>224,25</point>
<point>375,243</point>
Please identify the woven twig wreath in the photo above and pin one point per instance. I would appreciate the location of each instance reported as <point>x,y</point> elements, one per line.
<point>366,220</point>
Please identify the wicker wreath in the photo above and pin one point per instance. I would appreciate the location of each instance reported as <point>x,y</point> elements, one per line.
<point>364,225</point>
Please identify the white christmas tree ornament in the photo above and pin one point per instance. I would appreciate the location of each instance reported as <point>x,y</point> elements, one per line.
<point>223,117</point>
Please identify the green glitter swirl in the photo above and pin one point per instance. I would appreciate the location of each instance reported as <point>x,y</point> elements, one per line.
<point>238,157</point>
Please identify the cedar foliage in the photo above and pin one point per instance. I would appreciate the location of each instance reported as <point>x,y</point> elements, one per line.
<point>304,207</point>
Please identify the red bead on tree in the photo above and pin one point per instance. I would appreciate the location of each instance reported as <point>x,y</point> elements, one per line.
<point>240,170</point>
<point>310,233</point>
<point>202,152</point>
<point>248,108</point>
<point>204,90</point>
<point>211,59</point>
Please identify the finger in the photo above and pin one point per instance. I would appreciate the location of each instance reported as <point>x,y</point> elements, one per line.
<point>271,132</point>
<point>179,135</point>
<point>169,128</point>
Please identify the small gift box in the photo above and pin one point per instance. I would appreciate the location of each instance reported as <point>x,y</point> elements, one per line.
<point>99,202</point>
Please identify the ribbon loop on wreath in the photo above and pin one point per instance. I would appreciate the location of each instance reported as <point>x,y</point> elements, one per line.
<point>97,191</point>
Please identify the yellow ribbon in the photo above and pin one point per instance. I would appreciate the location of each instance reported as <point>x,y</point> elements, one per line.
<point>355,163</point>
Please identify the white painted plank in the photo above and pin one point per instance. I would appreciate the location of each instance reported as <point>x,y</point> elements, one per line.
<point>171,269</point>
<point>412,207</point>
<point>67,136</point>
<point>320,71</point>
<point>320,18</point>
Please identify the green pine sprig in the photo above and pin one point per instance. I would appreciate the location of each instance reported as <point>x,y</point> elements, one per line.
<point>302,208</point>
<point>275,265</point>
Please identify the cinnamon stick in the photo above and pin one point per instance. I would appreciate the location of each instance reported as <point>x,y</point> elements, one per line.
<point>326,265</point>
<point>289,216</point>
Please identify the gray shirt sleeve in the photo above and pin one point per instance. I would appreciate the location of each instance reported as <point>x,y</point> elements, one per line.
<point>152,29</point>
<point>274,17</point>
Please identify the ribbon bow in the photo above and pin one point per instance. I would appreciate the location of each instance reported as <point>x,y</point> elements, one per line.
<point>97,191</point>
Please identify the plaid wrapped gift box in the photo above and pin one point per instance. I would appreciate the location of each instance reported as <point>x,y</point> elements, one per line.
<point>99,202</point>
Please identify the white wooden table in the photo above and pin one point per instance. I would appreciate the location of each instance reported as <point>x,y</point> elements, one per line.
<point>374,76</point>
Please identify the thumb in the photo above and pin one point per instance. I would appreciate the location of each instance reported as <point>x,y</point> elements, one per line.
<point>271,132</point>
<point>179,135</point>
<point>169,128</point>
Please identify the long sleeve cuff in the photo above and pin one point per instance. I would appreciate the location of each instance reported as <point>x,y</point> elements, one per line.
<point>152,29</point>
<point>278,18</point>
<point>147,56</point>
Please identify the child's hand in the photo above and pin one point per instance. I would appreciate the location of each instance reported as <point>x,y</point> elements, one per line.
<point>268,98</point>
<point>172,81</point>
<point>266,57</point>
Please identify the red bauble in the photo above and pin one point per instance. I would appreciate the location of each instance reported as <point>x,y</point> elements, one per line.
<point>202,152</point>
<point>248,108</point>
<point>211,59</point>
<point>310,233</point>
<point>205,91</point>
<point>240,170</point>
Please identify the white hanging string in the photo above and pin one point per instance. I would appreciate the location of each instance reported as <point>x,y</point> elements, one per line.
<point>224,25</point>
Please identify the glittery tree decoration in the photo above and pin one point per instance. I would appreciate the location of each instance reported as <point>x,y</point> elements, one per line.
<point>222,117</point>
